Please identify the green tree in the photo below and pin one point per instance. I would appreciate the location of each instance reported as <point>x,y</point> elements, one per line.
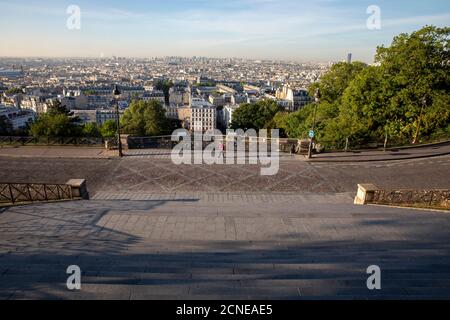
<point>254,116</point>
<point>90,92</point>
<point>164,86</point>
<point>146,118</point>
<point>56,108</point>
<point>109,129</point>
<point>5,126</point>
<point>404,96</point>
<point>57,122</point>
<point>333,84</point>
<point>417,69</point>
<point>91,130</point>
<point>54,125</point>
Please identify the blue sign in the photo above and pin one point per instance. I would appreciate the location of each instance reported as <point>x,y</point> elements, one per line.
<point>312,134</point>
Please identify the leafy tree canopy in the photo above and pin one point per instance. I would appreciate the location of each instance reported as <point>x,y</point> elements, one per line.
<point>254,116</point>
<point>54,125</point>
<point>5,126</point>
<point>405,95</point>
<point>109,129</point>
<point>146,118</point>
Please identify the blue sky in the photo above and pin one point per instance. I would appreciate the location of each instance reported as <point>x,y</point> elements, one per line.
<point>321,30</point>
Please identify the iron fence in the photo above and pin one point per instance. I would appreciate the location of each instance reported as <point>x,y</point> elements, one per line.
<point>31,192</point>
<point>51,141</point>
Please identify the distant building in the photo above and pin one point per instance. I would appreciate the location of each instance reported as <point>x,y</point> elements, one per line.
<point>251,90</point>
<point>154,95</point>
<point>203,116</point>
<point>217,100</point>
<point>172,111</point>
<point>75,102</point>
<point>104,115</point>
<point>225,89</point>
<point>85,116</point>
<point>126,91</point>
<point>227,113</point>
<point>204,91</point>
<point>179,95</point>
<point>36,104</point>
<point>239,98</point>
<point>296,99</point>
<point>17,117</point>
<point>204,80</point>
<point>3,88</point>
<point>11,74</point>
<point>181,113</point>
<point>98,116</point>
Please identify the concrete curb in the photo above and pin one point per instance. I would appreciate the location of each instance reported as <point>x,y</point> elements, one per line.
<point>409,208</point>
<point>428,145</point>
<point>379,160</point>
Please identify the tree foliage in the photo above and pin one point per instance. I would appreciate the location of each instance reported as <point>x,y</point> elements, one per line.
<point>333,84</point>
<point>109,129</point>
<point>405,95</point>
<point>254,116</point>
<point>164,86</point>
<point>146,118</point>
<point>54,125</point>
<point>5,126</point>
<point>91,130</point>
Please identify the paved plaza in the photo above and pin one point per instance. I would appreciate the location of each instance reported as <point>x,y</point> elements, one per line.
<point>153,230</point>
<point>150,175</point>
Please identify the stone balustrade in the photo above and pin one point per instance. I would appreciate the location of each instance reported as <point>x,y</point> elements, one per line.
<point>371,194</point>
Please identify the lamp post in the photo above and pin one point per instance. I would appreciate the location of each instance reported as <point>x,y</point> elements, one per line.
<point>423,106</point>
<point>116,94</point>
<point>317,97</point>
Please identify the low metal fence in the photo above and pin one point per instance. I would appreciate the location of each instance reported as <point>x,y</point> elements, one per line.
<point>50,141</point>
<point>31,192</point>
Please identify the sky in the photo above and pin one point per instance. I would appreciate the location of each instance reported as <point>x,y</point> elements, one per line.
<point>297,30</point>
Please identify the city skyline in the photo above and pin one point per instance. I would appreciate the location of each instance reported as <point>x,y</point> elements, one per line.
<point>321,31</point>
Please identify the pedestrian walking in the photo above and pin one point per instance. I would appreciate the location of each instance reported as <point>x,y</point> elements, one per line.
<point>221,149</point>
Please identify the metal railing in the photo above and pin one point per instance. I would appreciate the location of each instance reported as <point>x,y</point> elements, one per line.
<point>31,192</point>
<point>50,141</point>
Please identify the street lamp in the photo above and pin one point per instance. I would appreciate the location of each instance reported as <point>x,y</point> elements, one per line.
<point>424,102</point>
<point>317,97</point>
<point>116,94</point>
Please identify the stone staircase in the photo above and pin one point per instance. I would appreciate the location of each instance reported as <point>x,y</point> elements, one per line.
<point>198,249</point>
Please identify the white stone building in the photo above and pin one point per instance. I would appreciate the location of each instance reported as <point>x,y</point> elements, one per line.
<point>18,118</point>
<point>203,116</point>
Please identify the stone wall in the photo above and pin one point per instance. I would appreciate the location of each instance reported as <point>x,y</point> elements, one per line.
<point>440,198</point>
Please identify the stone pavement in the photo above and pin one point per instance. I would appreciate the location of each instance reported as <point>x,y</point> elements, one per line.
<point>291,247</point>
<point>101,153</point>
<point>115,178</point>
